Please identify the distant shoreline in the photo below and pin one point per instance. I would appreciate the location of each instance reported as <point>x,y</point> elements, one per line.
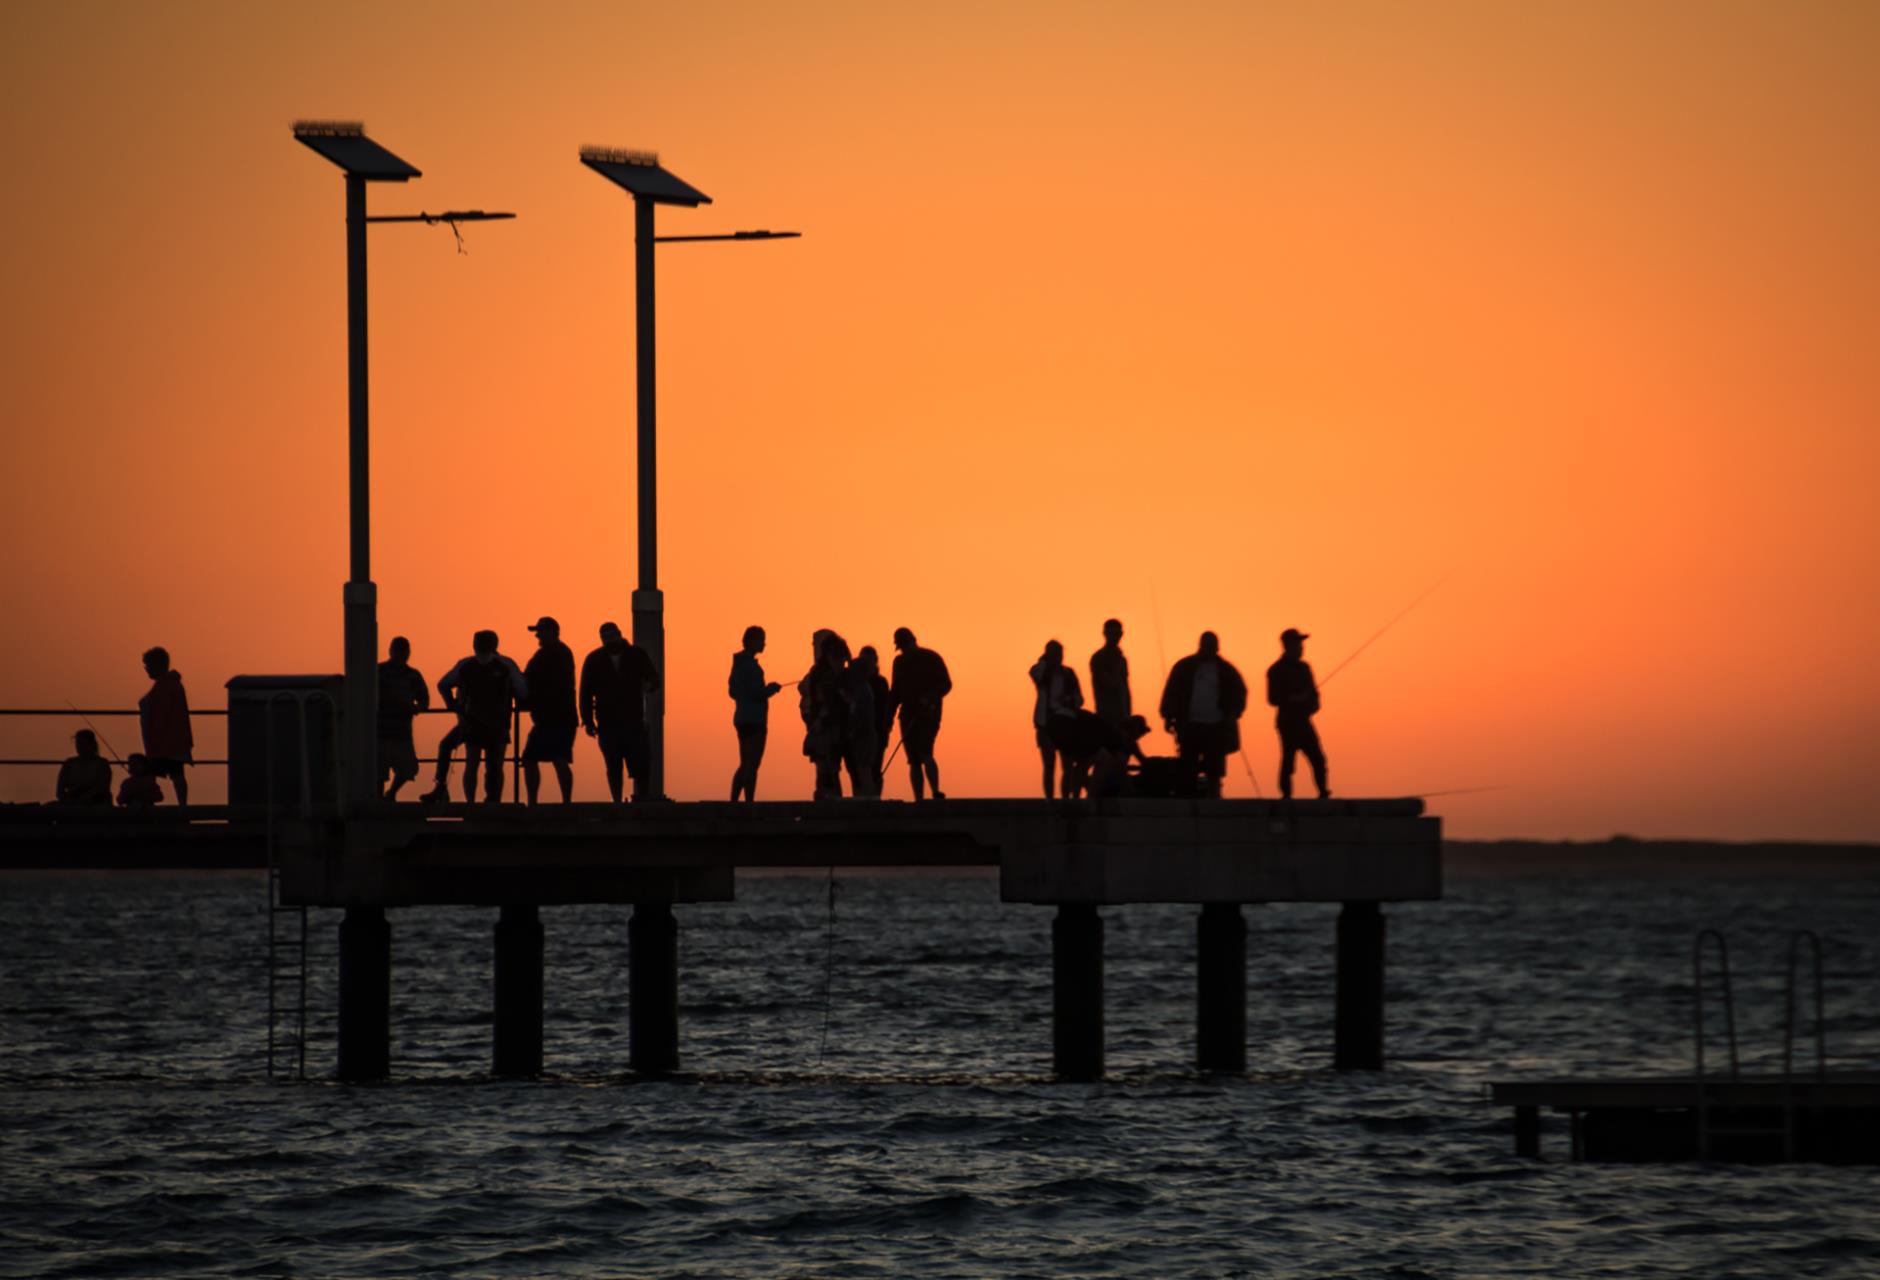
<point>1623,854</point>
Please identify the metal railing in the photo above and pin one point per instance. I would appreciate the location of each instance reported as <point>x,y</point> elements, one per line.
<point>514,758</point>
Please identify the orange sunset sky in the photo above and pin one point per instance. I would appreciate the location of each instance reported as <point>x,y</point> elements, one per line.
<point>1252,316</point>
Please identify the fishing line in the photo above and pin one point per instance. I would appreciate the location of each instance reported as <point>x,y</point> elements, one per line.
<point>97,731</point>
<point>1327,678</point>
<point>829,966</point>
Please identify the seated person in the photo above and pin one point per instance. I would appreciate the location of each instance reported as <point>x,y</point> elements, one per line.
<point>1096,752</point>
<point>86,777</point>
<point>140,788</point>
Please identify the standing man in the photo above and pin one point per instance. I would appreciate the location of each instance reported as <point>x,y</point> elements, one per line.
<point>1109,677</point>
<point>750,716</point>
<point>1292,690</point>
<point>920,684</point>
<point>402,695</point>
<point>615,680</point>
<point>552,719</point>
<point>1202,705</point>
<point>169,743</point>
<point>482,689</point>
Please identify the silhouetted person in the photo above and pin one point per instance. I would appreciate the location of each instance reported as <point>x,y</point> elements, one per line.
<point>169,743</point>
<point>402,695</point>
<point>824,707</point>
<point>1059,697</point>
<point>861,745</point>
<point>552,717</point>
<point>139,789</point>
<point>615,680</point>
<point>1109,677</point>
<point>921,684</point>
<point>482,689</point>
<point>884,708</point>
<point>1202,705</point>
<point>750,715</point>
<point>85,778</point>
<point>1096,753</point>
<point>1291,689</point>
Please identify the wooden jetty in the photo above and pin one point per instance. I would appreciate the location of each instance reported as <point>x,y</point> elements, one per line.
<point>1078,856</point>
<point>1830,1117</point>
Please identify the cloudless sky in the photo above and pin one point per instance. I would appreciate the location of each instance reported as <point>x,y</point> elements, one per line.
<point>1199,315</point>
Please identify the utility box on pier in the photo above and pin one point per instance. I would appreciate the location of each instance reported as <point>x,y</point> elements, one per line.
<point>289,724</point>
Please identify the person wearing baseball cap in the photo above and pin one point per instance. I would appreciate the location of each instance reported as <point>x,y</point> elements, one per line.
<point>1292,691</point>
<point>552,718</point>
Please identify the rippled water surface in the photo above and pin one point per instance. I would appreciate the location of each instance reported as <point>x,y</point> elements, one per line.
<point>139,1136</point>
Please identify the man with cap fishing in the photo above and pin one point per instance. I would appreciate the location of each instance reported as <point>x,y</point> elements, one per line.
<point>1292,691</point>
<point>552,718</point>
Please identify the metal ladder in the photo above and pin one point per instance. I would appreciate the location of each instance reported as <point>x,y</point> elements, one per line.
<point>1706,1127</point>
<point>287,926</point>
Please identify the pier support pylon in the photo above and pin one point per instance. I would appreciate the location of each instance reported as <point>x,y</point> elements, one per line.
<point>1221,988</point>
<point>1359,1015</point>
<point>516,1030</point>
<point>1077,992</point>
<point>365,994</point>
<point>653,989</point>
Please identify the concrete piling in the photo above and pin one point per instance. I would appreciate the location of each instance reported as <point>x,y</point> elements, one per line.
<point>365,994</point>
<point>516,1030</point>
<point>1221,988</point>
<point>1077,992</point>
<point>1359,1016</point>
<point>653,989</point>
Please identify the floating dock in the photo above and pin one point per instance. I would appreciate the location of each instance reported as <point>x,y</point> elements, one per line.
<point>1830,1118</point>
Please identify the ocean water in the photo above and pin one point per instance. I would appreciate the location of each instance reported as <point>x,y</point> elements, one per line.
<point>871,1099</point>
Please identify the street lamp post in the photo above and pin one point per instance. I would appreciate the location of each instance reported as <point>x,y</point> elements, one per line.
<point>639,173</point>
<point>363,161</point>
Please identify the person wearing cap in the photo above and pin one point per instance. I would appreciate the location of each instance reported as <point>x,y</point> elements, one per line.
<point>615,680</point>
<point>750,715</point>
<point>1292,691</point>
<point>402,695</point>
<point>1201,705</point>
<point>921,683</point>
<point>481,690</point>
<point>552,718</point>
<point>85,778</point>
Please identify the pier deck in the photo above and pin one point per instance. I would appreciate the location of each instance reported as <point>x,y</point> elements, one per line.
<point>1077,856</point>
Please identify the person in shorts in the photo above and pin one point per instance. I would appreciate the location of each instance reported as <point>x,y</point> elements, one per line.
<point>615,680</point>
<point>163,713</point>
<point>552,718</point>
<point>402,695</point>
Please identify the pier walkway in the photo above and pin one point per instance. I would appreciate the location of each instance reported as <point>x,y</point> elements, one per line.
<point>1077,856</point>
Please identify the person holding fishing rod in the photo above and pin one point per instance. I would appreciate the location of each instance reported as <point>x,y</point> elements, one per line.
<point>750,719</point>
<point>921,684</point>
<point>85,778</point>
<point>1292,691</point>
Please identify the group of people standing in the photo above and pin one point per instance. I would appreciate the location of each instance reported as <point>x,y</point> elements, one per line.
<point>848,709</point>
<point>484,691</point>
<point>1203,699</point>
<point>169,746</point>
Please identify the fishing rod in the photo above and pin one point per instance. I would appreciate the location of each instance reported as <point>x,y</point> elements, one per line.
<point>1402,614</point>
<point>98,733</point>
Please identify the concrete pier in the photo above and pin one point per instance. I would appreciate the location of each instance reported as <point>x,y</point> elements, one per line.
<point>516,1030</point>
<point>365,994</point>
<point>1221,988</point>
<point>1358,1019</point>
<point>653,990</point>
<point>1077,992</point>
